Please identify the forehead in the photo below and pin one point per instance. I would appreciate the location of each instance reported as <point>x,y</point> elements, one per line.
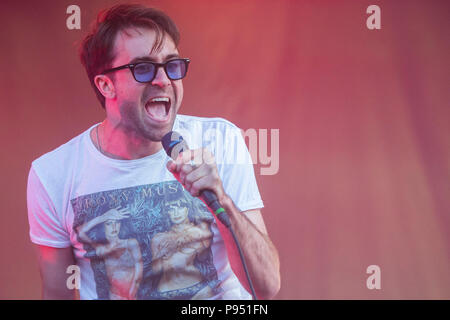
<point>139,42</point>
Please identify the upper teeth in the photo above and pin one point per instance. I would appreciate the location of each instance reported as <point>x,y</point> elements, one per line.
<point>160,100</point>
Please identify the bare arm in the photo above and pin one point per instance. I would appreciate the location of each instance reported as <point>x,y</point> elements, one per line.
<point>260,254</point>
<point>53,263</point>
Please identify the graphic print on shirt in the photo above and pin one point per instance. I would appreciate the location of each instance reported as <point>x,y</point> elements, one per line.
<point>147,242</point>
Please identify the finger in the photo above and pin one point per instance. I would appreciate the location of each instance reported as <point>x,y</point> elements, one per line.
<point>183,158</point>
<point>210,181</point>
<point>189,157</point>
<point>171,166</point>
<point>197,157</point>
<point>194,175</point>
<point>201,184</point>
<point>184,172</point>
<point>204,170</point>
<point>208,156</point>
<point>192,157</point>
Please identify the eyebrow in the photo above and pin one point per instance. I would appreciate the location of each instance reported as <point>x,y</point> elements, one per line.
<point>149,58</point>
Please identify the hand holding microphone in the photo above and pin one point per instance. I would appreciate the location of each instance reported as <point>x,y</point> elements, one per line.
<point>196,170</point>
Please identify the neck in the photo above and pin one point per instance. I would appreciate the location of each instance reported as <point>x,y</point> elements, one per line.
<point>117,143</point>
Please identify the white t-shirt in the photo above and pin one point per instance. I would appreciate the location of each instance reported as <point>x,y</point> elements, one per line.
<point>136,232</point>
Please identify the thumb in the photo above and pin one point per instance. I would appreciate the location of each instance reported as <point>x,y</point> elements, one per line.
<point>171,166</point>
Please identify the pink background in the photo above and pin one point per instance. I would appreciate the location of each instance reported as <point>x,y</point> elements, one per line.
<point>363,118</point>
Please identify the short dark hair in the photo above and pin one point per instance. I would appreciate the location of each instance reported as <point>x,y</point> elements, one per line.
<point>96,50</point>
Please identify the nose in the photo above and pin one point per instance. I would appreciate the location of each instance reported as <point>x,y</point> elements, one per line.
<point>161,80</point>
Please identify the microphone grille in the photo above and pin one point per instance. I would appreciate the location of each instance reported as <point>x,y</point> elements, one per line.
<point>173,143</point>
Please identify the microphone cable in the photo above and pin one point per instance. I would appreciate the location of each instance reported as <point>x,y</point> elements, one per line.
<point>222,215</point>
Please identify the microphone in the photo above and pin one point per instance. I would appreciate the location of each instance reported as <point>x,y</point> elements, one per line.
<point>173,143</point>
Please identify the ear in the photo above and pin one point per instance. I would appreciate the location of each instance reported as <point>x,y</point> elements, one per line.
<point>105,85</point>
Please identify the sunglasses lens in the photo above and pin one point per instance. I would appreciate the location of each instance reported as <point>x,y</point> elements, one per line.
<point>176,69</point>
<point>144,72</point>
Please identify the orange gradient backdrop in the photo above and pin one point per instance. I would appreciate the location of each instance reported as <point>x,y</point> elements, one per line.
<point>363,118</point>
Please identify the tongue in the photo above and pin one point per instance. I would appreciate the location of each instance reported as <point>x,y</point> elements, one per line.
<point>156,110</point>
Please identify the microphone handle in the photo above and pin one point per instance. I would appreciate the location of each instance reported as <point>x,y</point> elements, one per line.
<point>212,202</point>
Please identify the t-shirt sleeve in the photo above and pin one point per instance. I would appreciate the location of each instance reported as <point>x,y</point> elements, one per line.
<point>46,227</point>
<point>237,172</point>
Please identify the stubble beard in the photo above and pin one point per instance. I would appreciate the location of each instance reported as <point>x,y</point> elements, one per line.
<point>134,122</point>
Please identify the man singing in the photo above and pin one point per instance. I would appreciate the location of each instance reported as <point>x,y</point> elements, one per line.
<point>102,196</point>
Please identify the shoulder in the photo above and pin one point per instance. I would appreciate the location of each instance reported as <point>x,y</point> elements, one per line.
<point>56,163</point>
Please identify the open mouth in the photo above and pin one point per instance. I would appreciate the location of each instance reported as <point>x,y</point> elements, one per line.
<point>158,108</point>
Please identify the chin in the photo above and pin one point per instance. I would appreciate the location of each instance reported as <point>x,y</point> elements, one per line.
<point>156,133</point>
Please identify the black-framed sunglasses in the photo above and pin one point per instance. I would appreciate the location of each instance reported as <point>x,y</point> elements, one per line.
<point>143,72</point>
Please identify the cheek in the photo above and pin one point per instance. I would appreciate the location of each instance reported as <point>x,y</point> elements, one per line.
<point>129,105</point>
<point>127,89</point>
<point>178,89</point>
<point>129,113</point>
